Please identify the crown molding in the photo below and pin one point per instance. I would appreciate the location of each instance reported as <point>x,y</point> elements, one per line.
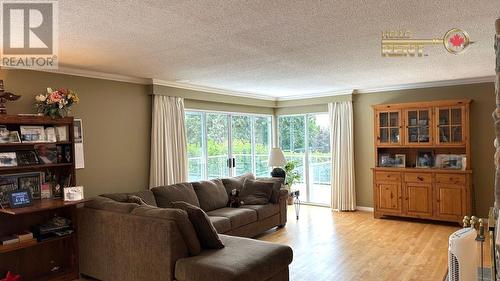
<point>97,75</point>
<point>147,81</point>
<point>315,95</point>
<point>219,91</point>
<point>442,83</point>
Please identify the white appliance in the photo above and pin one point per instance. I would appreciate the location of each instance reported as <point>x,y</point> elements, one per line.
<point>463,255</point>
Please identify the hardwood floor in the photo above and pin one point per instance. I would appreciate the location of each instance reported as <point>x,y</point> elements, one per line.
<point>355,246</point>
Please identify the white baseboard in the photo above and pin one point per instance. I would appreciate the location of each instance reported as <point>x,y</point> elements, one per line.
<point>366,209</point>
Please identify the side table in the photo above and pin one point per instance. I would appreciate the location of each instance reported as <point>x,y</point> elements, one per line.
<point>296,201</point>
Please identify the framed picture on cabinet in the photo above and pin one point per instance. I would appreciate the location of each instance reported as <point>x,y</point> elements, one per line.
<point>425,159</point>
<point>385,160</point>
<point>400,160</point>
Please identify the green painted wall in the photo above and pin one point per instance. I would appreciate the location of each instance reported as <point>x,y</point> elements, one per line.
<point>116,125</point>
<point>482,135</point>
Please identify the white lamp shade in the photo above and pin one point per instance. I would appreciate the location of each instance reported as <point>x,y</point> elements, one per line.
<point>276,158</point>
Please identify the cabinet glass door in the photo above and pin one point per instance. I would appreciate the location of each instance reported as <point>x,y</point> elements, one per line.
<point>389,128</point>
<point>418,126</point>
<point>450,125</point>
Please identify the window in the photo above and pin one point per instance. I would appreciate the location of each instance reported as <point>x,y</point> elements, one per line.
<point>305,139</point>
<point>216,140</point>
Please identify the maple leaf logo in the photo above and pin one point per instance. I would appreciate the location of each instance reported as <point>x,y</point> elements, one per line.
<point>457,40</point>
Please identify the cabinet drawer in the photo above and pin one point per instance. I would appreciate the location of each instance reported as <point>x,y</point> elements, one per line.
<point>418,177</point>
<point>387,176</point>
<point>450,178</point>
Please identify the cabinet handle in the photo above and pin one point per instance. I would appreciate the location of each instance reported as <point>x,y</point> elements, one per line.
<point>420,178</point>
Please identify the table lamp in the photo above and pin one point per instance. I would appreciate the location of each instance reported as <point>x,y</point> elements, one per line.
<point>277,160</point>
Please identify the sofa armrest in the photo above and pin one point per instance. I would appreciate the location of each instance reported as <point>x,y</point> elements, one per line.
<point>283,194</point>
<point>119,246</point>
<point>283,203</point>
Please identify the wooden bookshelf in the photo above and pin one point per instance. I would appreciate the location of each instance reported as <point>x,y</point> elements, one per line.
<point>56,258</point>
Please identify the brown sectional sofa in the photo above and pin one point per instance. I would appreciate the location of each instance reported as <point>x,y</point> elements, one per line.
<point>124,241</point>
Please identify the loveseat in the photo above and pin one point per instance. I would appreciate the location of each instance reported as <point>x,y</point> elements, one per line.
<point>126,241</point>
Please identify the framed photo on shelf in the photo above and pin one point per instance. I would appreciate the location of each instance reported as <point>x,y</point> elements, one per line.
<point>400,160</point>
<point>7,183</point>
<point>425,159</point>
<point>9,136</point>
<point>32,134</point>
<point>27,158</point>
<point>62,133</point>
<point>451,161</point>
<point>50,134</point>
<point>385,160</point>
<point>8,159</point>
<point>74,193</point>
<point>31,182</point>
<point>47,153</point>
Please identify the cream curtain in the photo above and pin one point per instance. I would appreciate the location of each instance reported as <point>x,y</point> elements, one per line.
<point>168,142</point>
<point>342,146</point>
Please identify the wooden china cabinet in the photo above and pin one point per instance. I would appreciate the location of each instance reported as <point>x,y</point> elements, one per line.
<point>435,180</point>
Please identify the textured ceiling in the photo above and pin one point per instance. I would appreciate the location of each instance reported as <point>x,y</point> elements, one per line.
<point>276,48</point>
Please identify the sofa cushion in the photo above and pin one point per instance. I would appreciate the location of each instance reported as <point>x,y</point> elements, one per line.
<point>242,259</point>
<point>107,204</point>
<point>238,217</point>
<point>211,194</point>
<point>146,195</point>
<point>256,192</point>
<point>278,184</point>
<point>222,224</point>
<point>205,230</point>
<point>181,219</point>
<point>176,192</point>
<point>236,182</point>
<point>264,211</point>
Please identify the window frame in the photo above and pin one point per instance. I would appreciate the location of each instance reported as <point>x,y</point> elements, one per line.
<point>306,151</point>
<point>232,170</point>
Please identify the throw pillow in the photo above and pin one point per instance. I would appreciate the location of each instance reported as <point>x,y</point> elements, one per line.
<point>236,182</point>
<point>256,192</point>
<point>205,230</point>
<point>278,183</point>
<point>176,192</point>
<point>211,194</point>
<point>181,219</point>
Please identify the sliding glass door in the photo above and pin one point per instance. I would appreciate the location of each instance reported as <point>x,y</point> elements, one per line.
<point>222,144</point>
<point>217,150</point>
<point>305,139</point>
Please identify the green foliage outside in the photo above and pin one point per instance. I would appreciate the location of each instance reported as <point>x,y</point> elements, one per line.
<point>291,135</point>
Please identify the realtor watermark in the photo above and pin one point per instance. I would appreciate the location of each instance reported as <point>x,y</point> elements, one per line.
<point>29,34</point>
<point>400,43</point>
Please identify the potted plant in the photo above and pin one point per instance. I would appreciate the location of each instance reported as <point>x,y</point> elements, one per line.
<point>292,176</point>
